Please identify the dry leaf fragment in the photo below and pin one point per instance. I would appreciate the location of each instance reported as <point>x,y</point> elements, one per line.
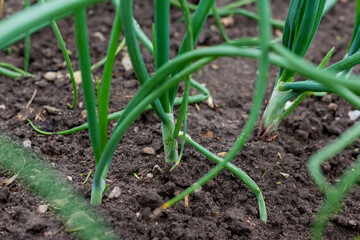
<point>278,33</point>
<point>285,175</point>
<point>10,180</point>
<point>210,102</point>
<point>214,66</point>
<point>272,137</point>
<point>51,109</point>
<point>221,154</point>
<point>157,167</point>
<point>209,134</point>
<point>197,107</point>
<point>187,201</point>
<point>227,21</point>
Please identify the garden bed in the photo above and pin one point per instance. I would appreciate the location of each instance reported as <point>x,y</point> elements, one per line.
<point>224,208</point>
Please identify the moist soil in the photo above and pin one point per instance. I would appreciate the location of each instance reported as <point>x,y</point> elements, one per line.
<point>224,208</point>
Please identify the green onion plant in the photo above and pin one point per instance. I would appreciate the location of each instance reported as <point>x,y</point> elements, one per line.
<point>158,92</point>
<point>297,39</point>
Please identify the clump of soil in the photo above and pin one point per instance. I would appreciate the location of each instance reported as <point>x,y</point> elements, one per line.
<point>224,208</point>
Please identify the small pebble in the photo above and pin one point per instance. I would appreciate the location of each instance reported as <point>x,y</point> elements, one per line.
<point>42,209</point>
<point>302,134</point>
<point>42,83</point>
<point>327,98</point>
<point>27,143</point>
<point>332,107</point>
<point>4,194</point>
<point>326,167</point>
<point>149,175</point>
<point>77,76</point>
<point>115,193</point>
<point>69,178</point>
<point>148,150</point>
<point>352,223</point>
<point>2,107</point>
<point>214,66</point>
<point>354,115</point>
<point>100,36</point>
<point>126,62</point>
<point>59,75</point>
<point>50,76</point>
<point>83,114</point>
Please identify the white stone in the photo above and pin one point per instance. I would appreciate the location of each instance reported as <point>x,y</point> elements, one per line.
<point>126,62</point>
<point>42,209</point>
<point>50,76</point>
<point>115,193</point>
<point>100,36</point>
<point>148,151</point>
<point>354,115</point>
<point>27,143</point>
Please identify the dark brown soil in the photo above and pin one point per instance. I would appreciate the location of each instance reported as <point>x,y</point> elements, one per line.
<point>224,208</point>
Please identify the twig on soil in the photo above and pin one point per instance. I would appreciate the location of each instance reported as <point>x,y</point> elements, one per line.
<point>31,99</point>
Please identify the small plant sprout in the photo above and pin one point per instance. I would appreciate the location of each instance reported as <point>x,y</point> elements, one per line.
<point>297,40</point>
<point>301,24</point>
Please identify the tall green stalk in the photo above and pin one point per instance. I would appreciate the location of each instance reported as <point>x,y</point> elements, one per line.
<point>183,112</point>
<point>103,99</point>
<point>162,55</point>
<point>265,33</point>
<point>198,21</point>
<point>87,82</point>
<point>27,43</point>
<point>135,54</point>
